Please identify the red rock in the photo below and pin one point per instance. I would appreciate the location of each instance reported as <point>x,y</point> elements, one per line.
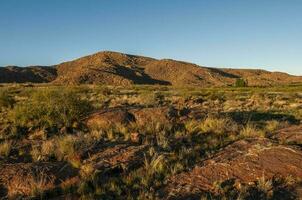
<point>244,160</point>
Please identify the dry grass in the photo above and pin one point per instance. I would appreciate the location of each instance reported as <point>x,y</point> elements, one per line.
<point>214,125</point>
<point>5,148</point>
<point>272,125</point>
<point>265,185</point>
<point>251,130</point>
<point>45,151</point>
<point>40,182</point>
<point>34,185</point>
<point>67,146</point>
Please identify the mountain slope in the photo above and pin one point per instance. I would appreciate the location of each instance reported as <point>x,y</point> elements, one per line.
<point>121,69</point>
<point>113,68</point>
<point>106,68</point>
<point>186,74</point>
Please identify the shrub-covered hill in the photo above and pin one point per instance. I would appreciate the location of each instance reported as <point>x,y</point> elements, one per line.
<point>113,68</point>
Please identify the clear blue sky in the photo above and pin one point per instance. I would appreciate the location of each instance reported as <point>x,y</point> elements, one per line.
<point>219,33</point>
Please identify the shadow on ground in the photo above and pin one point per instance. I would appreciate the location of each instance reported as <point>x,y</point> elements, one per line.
<point>256,116</point>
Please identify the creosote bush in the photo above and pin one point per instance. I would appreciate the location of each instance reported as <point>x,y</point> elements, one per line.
<point>50,108</point>
<point>241,83</point>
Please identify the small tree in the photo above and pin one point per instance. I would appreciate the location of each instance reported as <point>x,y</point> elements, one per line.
<point>240,82</point>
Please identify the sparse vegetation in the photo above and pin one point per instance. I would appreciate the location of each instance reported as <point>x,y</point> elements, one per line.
<point>141,138</point>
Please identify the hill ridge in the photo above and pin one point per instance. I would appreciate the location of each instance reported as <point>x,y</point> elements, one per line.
<point>115,68</point>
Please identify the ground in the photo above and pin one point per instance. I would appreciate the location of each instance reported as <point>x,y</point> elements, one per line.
<point>150,142</point>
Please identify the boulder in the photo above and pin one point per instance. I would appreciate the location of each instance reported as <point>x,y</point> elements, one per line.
<point>148,115</point>
<point>107,118</point>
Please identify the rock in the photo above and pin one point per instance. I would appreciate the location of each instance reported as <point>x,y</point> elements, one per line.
<point>145,116</point>
<point>245,160</point>
<point>290,135</point>
<point>105,119</point>
<point>119,156</point>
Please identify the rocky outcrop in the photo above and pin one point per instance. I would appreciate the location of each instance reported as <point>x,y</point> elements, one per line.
<point>116,157</point>
<point>290,135</point>
<point>245,160</point>
<point>105,119</point>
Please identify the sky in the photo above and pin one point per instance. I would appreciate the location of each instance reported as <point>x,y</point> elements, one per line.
<point>264,34</point>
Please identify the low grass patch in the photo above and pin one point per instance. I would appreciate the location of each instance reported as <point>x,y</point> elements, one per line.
<point>250,130</point>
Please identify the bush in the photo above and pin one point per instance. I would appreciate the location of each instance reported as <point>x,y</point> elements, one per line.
<point>50,109</point>
<point>241,83</point>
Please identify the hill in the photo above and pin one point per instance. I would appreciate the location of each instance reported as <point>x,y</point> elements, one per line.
<point>113,68</point>
<point>33,74</point>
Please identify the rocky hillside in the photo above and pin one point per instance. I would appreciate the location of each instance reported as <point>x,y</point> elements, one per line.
<point>112,68</point>
<point>259,77</point>
<point>35,74</point>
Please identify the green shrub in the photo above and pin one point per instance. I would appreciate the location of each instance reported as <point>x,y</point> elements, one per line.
<point>50,109</point>
<point>241,83</point>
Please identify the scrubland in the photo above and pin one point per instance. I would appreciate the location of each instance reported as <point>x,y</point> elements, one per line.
<point>150,142</point>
